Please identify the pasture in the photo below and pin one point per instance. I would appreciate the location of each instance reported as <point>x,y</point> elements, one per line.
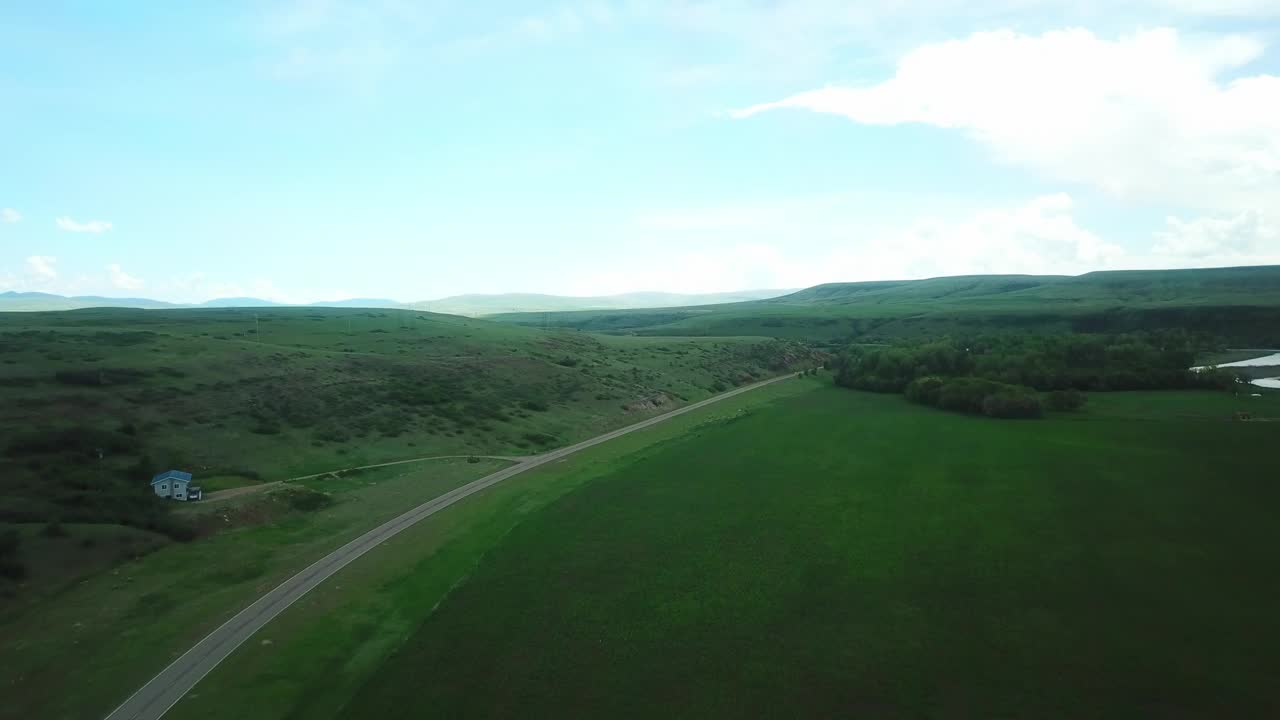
<point>848,554</point>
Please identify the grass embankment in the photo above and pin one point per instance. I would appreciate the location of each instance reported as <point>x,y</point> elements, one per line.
<point>850,554</point>
<point>310,661</point>
<point>81,649</point>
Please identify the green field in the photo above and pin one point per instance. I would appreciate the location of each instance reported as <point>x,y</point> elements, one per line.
<point>322,649</point>
<point>103,399</point>
<point>1236,304</point>
<point>115,628</point>
<point>847,554</point>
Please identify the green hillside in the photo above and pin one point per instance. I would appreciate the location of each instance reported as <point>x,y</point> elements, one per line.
<point>102,399</point>
<point>468,305</point>
<point>481,305</point>
<point>1240,304</point>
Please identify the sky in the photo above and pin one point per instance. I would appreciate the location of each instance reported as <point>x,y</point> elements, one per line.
<point>304,150</point>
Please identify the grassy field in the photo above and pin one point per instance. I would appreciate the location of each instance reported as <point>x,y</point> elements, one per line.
<point>311,660</point>
<point>103,399</point>
<point>114,629</point>
<point>844,554</point>
<point>1242,305</point>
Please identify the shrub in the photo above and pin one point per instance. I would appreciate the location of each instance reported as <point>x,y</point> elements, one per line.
<point>1013,403</point>
<point>924,390</point>
<point>10,566</point>
<point>80,440</point>
<point>967,394</point>
<point>1065,400</point>
<point>305,499</point>
<point>54,529</point>
<point>100,376</point>
<point>568,361</point>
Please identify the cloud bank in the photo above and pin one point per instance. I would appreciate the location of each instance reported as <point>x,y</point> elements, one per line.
<point>1145,116</point>
<point>93,226</point>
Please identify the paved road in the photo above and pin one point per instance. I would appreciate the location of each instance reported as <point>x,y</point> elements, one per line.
<point>155,698</point>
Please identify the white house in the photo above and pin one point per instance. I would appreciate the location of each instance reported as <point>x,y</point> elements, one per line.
<point>175,484</point>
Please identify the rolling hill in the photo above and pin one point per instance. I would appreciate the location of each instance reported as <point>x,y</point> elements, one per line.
<point>468,305</point>
<point>1240,304</point>
<point>482,305</point>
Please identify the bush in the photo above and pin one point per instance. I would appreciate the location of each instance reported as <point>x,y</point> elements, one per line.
<point>305,499</point>
<point>967,394</point>
<point>568,361</point>
<point>538,438</point>
<point>10,566</point>
<point>54,529</point>
<point>1065,400</point>
<point>924,390</point>
<point>1013,404</point>
<point>76,440</point>
<point>100,376</point>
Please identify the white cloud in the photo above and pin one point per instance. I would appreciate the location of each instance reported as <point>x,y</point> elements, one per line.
<point>354,42</point>
<point>1039,236</point>
<point>93,226</point>
<point>42,267</point>
<point>9,215</point>
<point>1249,238</point>
<point>1222,8</point>
<point>1144,116</point>
<point>123,280</point>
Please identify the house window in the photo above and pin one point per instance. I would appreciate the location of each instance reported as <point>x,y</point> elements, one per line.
<point>164,487</point>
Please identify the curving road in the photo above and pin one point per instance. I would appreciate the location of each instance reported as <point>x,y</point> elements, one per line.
<point>154,699</point>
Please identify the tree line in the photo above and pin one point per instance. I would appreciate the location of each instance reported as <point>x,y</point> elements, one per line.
<point>1019,376</point>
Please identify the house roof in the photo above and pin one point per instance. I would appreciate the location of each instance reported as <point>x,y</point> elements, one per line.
<point>171,475</point>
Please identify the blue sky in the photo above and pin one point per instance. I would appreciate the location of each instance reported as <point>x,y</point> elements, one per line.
<point>310,149</point>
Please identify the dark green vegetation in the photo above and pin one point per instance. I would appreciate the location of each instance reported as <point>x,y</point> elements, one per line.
<point>998,375</point>
<point>92,403</point>
<point>74,646</point>
<point>1241,305</point>
<point>846,554</point>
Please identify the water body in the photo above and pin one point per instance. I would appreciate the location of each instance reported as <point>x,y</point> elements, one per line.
<point>1268,382</point>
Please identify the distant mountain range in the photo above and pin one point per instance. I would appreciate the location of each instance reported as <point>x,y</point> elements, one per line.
<point>472,305</point>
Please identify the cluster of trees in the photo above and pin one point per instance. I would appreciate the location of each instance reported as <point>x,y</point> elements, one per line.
<point>100,477</point>
<point>1004,375</point>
